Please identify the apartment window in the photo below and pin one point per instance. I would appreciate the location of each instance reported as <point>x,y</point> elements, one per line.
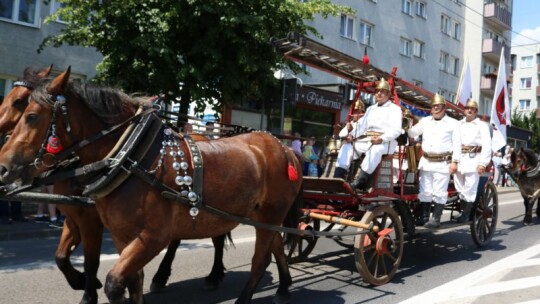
<point>405,47</point>
<point>525,83</point>
<point>19,10</point>
<point>421,9</point>
<point>537,58</point>
<point>2,88</point>
<point>406,7</point>
<point>524,104</point>
<point>374,1</point>
<point>366,31</point>
<point>526,61</point>
<point>346,26</point>
<point>445,24</point>
<point>488,68</point>
<point>419,49</point>
<point>444,61</point>
<point>453,67</point>
<point>452,97</point>
<point>55,5</point>
<point>457,31</point>
<point>418,83</point>
<point>442,92</point>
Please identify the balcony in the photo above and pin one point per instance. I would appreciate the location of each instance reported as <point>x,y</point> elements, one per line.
<point>492,48</point>
<point>498,16</point>
<point>487,84</point>
<point>537,90</point>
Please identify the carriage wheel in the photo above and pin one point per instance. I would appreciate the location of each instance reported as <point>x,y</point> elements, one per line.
<point>485,216</point>
<point>301,246</point>
<point>378,254</point>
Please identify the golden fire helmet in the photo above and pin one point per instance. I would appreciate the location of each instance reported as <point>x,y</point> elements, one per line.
<point>383,85</point>
<point>438,100</point>
<point>472,104</point>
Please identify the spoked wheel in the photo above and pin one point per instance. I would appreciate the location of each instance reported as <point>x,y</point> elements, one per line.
<point>301,246</point>
<point>485,216</point>
<point>378,254</point>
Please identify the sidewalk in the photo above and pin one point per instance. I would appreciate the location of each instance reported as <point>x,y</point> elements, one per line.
<point>30,229</point>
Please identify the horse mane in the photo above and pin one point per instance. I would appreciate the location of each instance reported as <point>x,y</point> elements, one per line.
<point>109,104</point>
<point>30,75</point>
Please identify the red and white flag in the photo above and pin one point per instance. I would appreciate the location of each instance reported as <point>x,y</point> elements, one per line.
<point>465,85</point>
<point>500,108</point>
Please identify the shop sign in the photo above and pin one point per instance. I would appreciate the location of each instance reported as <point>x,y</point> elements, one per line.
<point>319,98</point>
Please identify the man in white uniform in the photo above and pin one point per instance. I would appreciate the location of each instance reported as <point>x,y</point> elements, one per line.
<point>346,153</point>
<point>376,133</point>
<point>441,144</point>
<point>475,157</point>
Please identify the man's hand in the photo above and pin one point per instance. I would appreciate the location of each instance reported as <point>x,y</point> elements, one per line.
<point>481,169</point>
<point>349,127</point>
<point>349,138</point>
<point>453,168</point>
<point>376,140</point>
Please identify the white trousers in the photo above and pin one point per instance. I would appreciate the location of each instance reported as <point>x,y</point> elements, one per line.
<point>345,156</point>
<point>467,185</point>
<point>374,154</point>
<point>433,187</point>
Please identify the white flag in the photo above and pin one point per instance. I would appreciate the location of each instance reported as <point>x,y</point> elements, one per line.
<point>500,108</point>
<point>465,85</point>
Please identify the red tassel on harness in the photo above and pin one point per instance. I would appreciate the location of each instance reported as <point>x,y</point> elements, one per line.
<point>293,174</point>
<point>53,145</point>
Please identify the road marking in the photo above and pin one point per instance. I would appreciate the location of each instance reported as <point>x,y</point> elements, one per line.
<point>471,285</point>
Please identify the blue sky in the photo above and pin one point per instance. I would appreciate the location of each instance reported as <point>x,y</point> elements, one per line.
<point>526,22</point>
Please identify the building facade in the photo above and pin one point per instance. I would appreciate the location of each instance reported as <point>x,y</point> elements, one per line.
<point>22,31</point>
<point>525,83</point>
<point>428,41</point>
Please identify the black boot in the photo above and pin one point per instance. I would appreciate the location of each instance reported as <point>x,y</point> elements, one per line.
<point>435,221</point>
<point>465,212</point>
<point>360,180</point>
<point>340,173</point>
<point>461,208</point>
<point>424,215</point>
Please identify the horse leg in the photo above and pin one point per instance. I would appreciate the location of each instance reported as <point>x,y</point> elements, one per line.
<point>135,285</point>
<point>260,261</point>
<point>164,271</point>
<point>69,240</point>
<point>218,269</point>
<point>527,220</point>
<point>285,279</point>
<point>91,229</point>
<point>125,272</point>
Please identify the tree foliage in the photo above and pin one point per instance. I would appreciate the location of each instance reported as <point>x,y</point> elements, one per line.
<point>528,121</point>
<point>214,51</point>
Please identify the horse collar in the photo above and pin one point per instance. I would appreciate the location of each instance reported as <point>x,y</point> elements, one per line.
<point>534,172</point>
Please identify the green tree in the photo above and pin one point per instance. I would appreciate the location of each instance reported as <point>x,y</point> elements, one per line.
<point>214,51</point>
<point>528,122</point>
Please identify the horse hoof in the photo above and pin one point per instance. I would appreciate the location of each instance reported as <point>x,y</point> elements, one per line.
<point>156,287</point>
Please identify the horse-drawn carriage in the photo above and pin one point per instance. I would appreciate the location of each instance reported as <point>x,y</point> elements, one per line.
<point>388,211</point>
<point>152,191</point>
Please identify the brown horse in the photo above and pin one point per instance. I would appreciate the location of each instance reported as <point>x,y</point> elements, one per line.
<point>246,176</point>
<point>525,169</point>
<point>82,223</point>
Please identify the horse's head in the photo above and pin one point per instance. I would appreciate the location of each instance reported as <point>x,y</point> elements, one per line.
<point>16,100</point>
<point>522,160</point>
<point>21,154</point>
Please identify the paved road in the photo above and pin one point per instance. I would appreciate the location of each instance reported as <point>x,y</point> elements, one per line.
<point>437,267</point>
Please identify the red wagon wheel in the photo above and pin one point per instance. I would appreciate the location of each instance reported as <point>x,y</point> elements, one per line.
<point>378,254</point>
<point>485,216</point>
<point>302,246</point>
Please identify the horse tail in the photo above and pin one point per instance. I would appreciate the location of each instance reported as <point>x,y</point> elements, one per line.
<point>229,240</point>
<point>293,216</point>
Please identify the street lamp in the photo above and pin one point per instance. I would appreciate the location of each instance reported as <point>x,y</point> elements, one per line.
<point>281,74</point>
